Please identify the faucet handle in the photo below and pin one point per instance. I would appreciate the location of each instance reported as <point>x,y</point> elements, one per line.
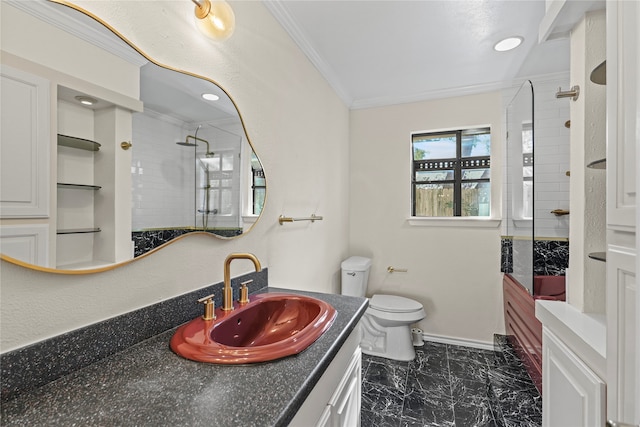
<point>244,292</point>
<point>209,307</point>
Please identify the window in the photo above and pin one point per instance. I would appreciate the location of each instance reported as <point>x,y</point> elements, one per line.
<point>258,185</point>
<point>527,171</point>
<point>451,173</point>
<point>216,179</point>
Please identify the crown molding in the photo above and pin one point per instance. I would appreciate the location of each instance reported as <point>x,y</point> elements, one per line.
<point>429,95</point>
<point>51,13</point>
<point>280,13</point>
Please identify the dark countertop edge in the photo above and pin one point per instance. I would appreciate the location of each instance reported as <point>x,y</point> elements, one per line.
<point>286,410</point>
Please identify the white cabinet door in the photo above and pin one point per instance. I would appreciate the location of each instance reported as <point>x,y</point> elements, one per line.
<point>24,145</point>
<point>573,395</point>
<point>622,358</point>
<point>623,157</point>
<point>28,243</point>
<point>345,403</point>
<point>622,109</point>
<point>336,398</point>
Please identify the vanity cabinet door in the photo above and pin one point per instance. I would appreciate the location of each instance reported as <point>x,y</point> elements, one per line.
<point>326,419</point>
<point>345,403</point>
<point>336,398</point>
<point>24,145</point>
<point>573,395</point>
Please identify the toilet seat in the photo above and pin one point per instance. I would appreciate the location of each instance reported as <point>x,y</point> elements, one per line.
<point>394,304</point>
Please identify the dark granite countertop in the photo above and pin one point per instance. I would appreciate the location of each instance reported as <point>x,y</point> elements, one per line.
<point>147,384</point>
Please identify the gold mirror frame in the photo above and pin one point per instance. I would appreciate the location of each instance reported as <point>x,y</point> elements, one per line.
<point>98,20</point>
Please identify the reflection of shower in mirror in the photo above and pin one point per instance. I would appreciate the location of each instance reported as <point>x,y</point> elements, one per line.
<point>186,142</point>
<point>207,166</point>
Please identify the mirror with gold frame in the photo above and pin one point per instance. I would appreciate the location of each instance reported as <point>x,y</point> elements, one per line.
<point>139,153</point>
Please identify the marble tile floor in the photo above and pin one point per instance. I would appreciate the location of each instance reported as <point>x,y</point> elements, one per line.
<point>449,385</point>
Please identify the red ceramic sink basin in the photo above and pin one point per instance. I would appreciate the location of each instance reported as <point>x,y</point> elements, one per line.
<point>269,327</point>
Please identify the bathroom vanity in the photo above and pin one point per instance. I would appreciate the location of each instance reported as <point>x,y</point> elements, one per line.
<point>148,384</point>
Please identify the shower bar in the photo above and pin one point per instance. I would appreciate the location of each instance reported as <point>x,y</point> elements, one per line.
<point>572,93</point>
<point>313,218</point>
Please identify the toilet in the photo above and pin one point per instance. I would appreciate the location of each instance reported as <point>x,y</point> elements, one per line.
<point>386,323</point>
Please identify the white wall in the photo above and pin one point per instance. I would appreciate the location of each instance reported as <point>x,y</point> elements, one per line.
<point>453,271</point>
<point>586,287</point>
<point>300,131</point>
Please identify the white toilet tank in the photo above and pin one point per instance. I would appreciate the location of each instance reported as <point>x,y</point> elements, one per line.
<point>355,276</point>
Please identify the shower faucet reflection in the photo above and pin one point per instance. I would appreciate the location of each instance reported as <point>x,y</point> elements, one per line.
<point>186,143</point>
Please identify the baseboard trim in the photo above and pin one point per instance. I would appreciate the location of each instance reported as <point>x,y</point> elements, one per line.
<point>459,341</point>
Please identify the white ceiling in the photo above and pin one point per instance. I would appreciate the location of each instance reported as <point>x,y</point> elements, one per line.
<point>375,52</point>
<point>385,52</point>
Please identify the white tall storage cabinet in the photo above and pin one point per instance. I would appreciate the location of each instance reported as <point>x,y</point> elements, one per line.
<point>623,158</point>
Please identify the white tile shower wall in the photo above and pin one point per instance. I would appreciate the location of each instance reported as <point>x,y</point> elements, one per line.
<point>161,170</point>
<point>551,157</point>
<point>510,227</point>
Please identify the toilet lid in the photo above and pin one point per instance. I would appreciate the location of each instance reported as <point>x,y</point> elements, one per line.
<point>394,304</point>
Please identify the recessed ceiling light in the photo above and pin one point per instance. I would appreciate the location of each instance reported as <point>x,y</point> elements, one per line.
<point>86,100</point>
<point>508,43</point>
<point>210,96</point>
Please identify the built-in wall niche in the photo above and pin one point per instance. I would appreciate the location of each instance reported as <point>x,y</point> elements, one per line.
<point>599,76</point>
<point>88,188</point>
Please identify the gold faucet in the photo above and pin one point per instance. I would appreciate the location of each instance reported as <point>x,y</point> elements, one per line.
<point>227,298</point>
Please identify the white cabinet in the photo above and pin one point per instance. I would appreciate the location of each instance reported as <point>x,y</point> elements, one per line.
<point>344,406</point>
<point>24,145</point>
<point>25,135</point>
<point>623,157</point>
<point>622,109</point>
<point>336,398</point>
<point>573,395</point>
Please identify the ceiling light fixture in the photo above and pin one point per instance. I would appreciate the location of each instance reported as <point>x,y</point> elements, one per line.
<point>210,96</point>
<point>215,19</point>
<point>86,100</point>
<point>508,43</point>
